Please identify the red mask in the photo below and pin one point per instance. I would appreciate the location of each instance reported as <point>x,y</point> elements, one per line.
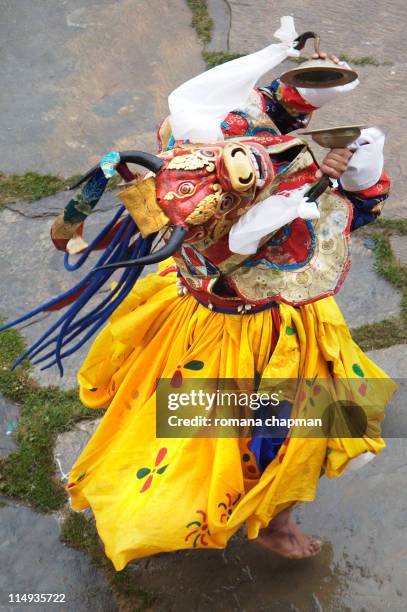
<point>200,183</point>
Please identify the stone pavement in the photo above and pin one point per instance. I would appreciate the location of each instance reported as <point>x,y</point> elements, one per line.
<point>97,78</point>
<point>29,225</point>
<point>81,78</point>
<point>78,79</point>
<point>35,561</point>
<point>70,444</point>
<point>364,296</point>
<point>374,29</point>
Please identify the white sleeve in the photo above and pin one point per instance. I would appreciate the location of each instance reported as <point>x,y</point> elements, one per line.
<point>366,164</point>
<point>268,216</point>
<point>200,105</point>
<point>320,97</point>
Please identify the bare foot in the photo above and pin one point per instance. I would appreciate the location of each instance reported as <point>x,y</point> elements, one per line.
<point>288,540</point>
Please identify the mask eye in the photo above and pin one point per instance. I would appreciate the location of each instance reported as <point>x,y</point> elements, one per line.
<point>207,153</point>
<point>186,188</point>
<point>228,201</point>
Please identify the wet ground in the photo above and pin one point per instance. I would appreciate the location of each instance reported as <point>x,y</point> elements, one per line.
<point>96,78</point>
<point>80,78</point>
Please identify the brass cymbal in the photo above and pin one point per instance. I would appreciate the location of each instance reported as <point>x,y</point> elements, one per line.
<point>318,74</point>
<point>334,138</point>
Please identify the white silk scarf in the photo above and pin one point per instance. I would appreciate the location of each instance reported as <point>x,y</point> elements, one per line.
<point>199,106</point>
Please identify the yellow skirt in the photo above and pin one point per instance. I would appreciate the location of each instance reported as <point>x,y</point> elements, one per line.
<point>151,495</point>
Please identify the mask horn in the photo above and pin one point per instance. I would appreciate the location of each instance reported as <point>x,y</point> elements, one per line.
<point>148,160</point>
<point>173,244</point>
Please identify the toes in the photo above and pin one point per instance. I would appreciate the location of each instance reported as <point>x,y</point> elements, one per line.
<point>315,546</point>
<point>303,553</point>
<point>308,552</point>
<point>298,555</point>
<point>291,547</point>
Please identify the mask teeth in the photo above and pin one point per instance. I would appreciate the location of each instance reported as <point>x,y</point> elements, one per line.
<point>260,181</point>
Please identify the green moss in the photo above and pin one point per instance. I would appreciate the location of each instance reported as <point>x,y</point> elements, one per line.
<point>392,331</point>
<point>28,473</point>
<point>387,265</point>
<point>381,334</point>
<point>30,186</point>
<point>80,532</point>
<point>363,60</point>
<point>214,58</point>
<point>392,226</point>
<point>201,20</point>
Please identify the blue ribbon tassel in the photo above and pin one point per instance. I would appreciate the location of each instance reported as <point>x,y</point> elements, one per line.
<point>71,331</point>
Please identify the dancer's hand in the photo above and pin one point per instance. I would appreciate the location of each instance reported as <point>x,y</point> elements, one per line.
<point>323,55</point>
<point>334,163</point>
